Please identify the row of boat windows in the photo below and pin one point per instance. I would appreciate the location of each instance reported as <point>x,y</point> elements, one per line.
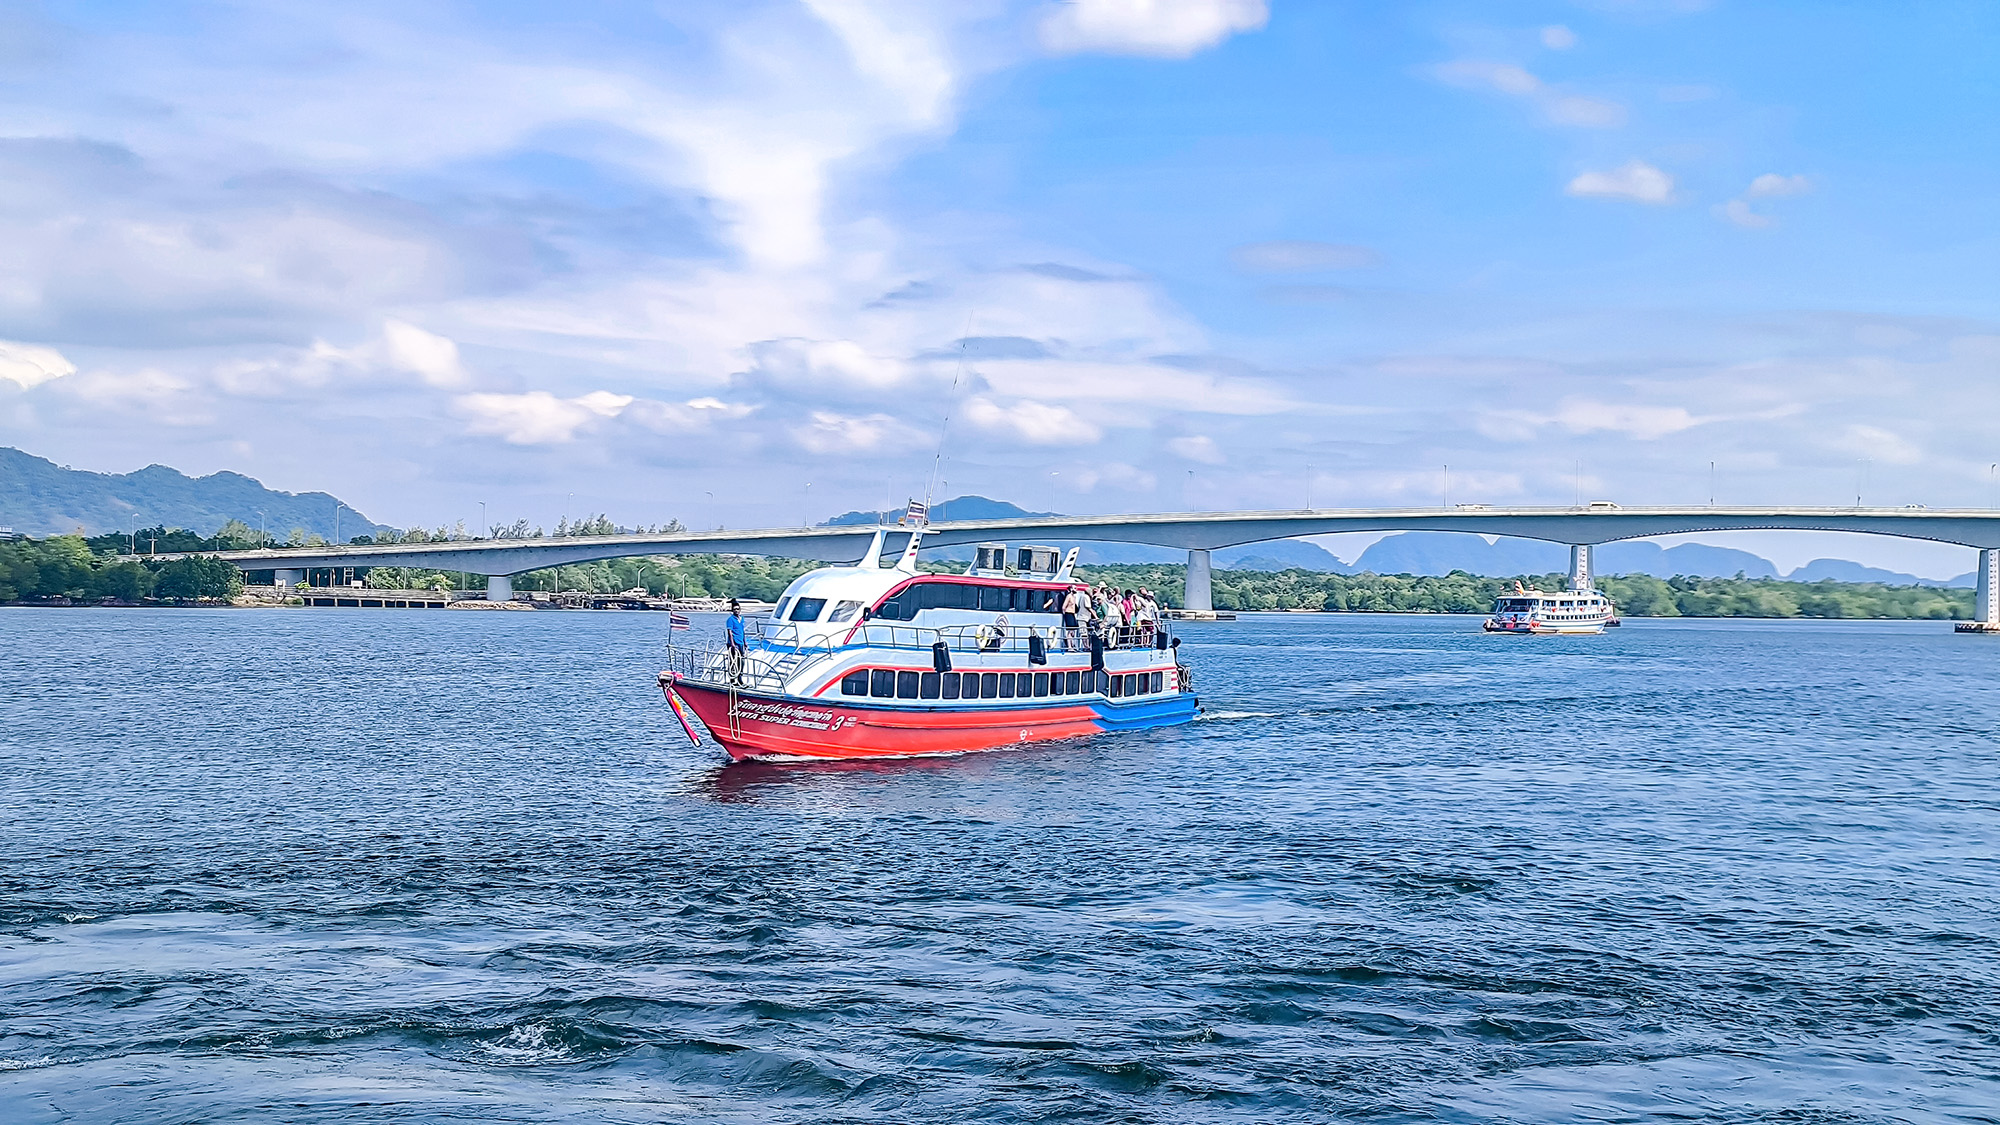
<point>1523,605</point>
<point>967,595</point>
<point>809,609</point>
<point>887,683</point>
<point>928,595</point>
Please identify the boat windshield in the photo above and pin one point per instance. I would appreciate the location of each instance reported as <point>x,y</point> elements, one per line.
<point>1522,605</point>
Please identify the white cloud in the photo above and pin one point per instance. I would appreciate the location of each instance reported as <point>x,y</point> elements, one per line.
<point>1878,444</point>
<point>1035,422</point>
<point>276,373</point>
<point>1115,474</point>
<point>1506,78</point>
<point>1767,186</point>
<point>753,131</point>
<point>1423,487</point>
<point>432,357</point>
<point>898,51</point>
<point>1301,256</point>
<point>537,417</point>
<point>1739,212</point>
<point>1644,422</point>
<point>1197,447</point>
<point>1134,392</point>
<point>1773,184</point>
<point>152,393</point>
<point>1556,37</point>
<point>1588,113</point>
<point>146,387</point>
<point>1514,81</point>
<point>686,417</point>
<point>830,432</point>
<point>827,362</point>
<point>1469,367</point>
<point>1635,180</point>
<point>1159,28</point>
<point>1583,416</point>
<point>29,365</point>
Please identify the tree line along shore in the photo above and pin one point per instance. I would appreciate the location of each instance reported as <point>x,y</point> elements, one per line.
<point>103,569</point>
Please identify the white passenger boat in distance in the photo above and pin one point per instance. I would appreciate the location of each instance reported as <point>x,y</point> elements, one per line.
<point>1569,611</point>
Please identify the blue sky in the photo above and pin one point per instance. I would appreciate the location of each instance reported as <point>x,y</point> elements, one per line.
<point>1147,253</point>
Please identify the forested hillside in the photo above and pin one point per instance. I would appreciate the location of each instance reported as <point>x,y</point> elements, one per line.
<point>39,497</point>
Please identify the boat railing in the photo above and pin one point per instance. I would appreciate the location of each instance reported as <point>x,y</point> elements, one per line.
<point>775,652</point>
<point>969,638</point>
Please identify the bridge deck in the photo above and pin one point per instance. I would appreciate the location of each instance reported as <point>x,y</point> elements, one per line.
<point>1194,531</point>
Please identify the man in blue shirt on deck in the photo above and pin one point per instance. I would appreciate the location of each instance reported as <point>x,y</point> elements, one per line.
<point>734,627</point>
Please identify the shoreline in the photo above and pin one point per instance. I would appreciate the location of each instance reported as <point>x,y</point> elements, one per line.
<point>478,605</point>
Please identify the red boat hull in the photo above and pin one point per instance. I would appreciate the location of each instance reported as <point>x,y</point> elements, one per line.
<point>762,726</point>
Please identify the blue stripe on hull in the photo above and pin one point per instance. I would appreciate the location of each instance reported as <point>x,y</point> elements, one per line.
<point>1158,711</point>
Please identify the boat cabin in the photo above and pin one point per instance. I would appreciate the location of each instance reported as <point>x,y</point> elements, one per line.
<point>989,560</point>
<point>829,602</point>
<point>1559,602</point>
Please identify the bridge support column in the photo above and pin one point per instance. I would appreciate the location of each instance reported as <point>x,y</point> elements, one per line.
<point>1199,596</point>
<point>1986,596</point>
<point>288,576</point>
<point>1582,566</point>
<point>499,588</point>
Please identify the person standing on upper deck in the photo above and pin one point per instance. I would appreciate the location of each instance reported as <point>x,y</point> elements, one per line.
<point>1073,605</point>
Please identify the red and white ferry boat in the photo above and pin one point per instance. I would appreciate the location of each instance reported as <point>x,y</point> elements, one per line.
<point>867,661</point>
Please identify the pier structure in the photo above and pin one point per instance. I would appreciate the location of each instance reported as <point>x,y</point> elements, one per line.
<point>1581,528</point>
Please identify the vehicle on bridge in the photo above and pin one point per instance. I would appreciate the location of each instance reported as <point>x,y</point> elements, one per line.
<point>864,661</point>
<point>1568,611</point>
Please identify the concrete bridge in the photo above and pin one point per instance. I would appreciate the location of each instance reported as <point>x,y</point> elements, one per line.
<point>1580,528</point>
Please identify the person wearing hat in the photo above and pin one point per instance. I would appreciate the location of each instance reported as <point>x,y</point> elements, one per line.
<point>734,627</point>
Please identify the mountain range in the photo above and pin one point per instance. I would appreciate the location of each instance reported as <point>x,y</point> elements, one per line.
<point>39,497</point>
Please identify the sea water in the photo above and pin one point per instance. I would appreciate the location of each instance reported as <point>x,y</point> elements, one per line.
<point>366,865</point>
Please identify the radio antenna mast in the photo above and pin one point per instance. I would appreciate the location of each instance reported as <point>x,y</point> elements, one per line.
<point>950,404</point>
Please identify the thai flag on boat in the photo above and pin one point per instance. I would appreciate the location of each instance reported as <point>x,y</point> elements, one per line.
<point>678,621</point>
<point>918,513</point>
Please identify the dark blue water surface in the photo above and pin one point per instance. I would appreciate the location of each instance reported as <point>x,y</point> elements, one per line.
<point>365,865</point>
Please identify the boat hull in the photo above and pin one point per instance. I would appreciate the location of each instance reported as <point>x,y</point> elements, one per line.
<point>755,725</point>
<point>1545,629</point>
